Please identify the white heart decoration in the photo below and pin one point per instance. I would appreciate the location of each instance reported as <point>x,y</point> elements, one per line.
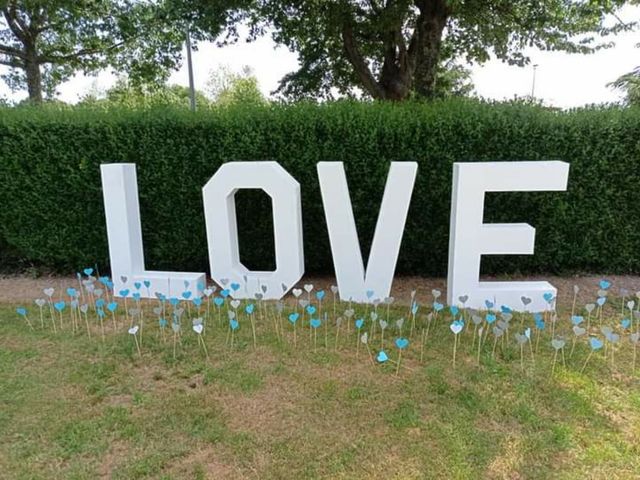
<point>198,328</point>
<point>297,292</point>
<point>41,302</point>
<point>334,289</point>
<point>133,330</point>
<point>49,292</point>
<point>308,287</point>
<point>456,328</point>
<point>235,303</point>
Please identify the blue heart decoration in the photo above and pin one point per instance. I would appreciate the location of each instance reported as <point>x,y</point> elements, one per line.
<point>88,271</point>
<point>100,303</point>
<point>218,301</point>
<point>601,301</point>
<point>604,284</point>
<point>320,294</point>
<point>136,295</point>
<point>147,283</point>
<point>359,323</point>
<point>197,301</point>
<point>505,309</point>
<point>225,293</point>
<point>490,318</point>
<point>548,297</point>
<point>382,357</point>
<point>124,292</point>
<point>103,280</point>
<point>233,323</point>
<point>162,322</point>
<point>112,307</point>
<point>186,295</point>
<point>249,309</point>
<point>311,309</point>
<point>293,317</point>
<point>109,284</point>
<point>414,308</point>
<point>101,313</point>
<point>137,285</point>
<point>539,321</point>
<point>21,311</point>
<point>489,304</point>
<point>402,343</point>
<point>626,323</point>
<point>235,287</point>
<point>174,301</point>
<point>72,292</point>
<point>454,310</point>
<point>315,322</point>
<point>596,343</point>
<point>437,306</point>
<point>577,319</point>
<point>370,293</point>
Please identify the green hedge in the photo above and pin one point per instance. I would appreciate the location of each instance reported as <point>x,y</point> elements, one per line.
<point>52,213</point>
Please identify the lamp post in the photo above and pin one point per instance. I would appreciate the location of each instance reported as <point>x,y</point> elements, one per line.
<point>192,88</point>
<point>533,83</point>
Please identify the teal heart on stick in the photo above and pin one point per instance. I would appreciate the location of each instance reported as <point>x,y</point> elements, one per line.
<point>402,343</point>
<point>382,357</point>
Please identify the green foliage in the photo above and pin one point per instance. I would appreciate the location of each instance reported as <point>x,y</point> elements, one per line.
<point>134,95</point>
<point>45,42</point>
<point>229,88</point>
<point>53,216</point>
<point>388,49</point>
<point>244,91</point>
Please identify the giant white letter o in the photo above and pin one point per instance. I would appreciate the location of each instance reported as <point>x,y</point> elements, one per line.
<point>222,228</point>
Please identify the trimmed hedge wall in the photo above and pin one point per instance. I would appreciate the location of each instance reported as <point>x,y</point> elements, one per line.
<point>52,213</point>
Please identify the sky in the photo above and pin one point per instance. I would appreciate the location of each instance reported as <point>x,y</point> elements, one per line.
<point>562,80</point>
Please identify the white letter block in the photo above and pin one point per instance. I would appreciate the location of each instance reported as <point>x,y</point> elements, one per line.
<point>124,232</point>
<point>222,228</point>
<point>469,238</point>
<point>353,281</point>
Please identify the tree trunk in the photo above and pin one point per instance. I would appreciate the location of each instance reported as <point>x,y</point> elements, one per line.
<point>431,23</point>
<point>34,79</point>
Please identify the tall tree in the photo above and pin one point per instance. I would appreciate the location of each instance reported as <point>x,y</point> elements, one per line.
<point>393,48</point>
<point>44,42</point>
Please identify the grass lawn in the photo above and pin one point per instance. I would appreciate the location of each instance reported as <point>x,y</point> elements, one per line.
<point>77,407</point>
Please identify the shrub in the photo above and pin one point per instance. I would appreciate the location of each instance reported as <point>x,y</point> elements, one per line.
<point>53,214</point>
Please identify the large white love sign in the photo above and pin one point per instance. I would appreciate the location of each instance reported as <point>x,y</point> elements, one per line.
<point>469,239</point>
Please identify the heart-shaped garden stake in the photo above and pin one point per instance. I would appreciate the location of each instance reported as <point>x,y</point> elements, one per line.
<point>557,344</point>
<point>604,284</point>
<point>402,343</point>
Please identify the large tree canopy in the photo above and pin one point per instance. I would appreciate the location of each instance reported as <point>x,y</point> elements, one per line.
<point>44,42</point>
<point>392,48</point>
